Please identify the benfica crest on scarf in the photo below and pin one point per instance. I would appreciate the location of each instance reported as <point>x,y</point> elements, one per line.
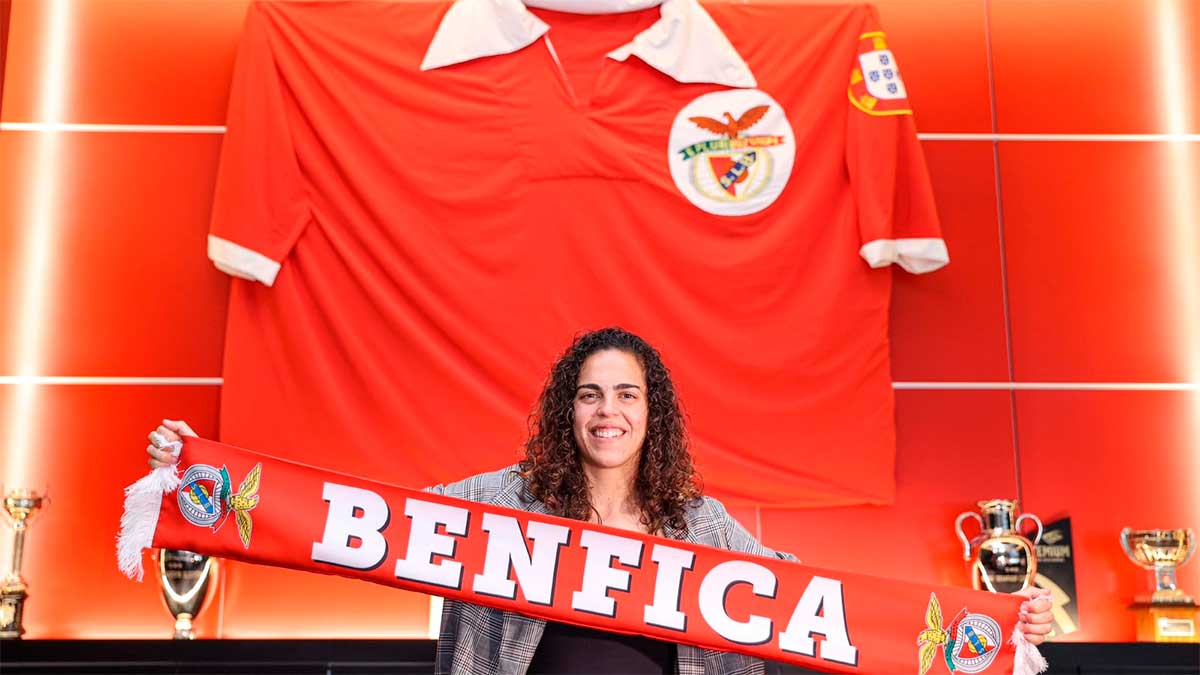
<point>564,570</point>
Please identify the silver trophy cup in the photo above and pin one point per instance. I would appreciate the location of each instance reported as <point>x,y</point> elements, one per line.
<point>187,579</point>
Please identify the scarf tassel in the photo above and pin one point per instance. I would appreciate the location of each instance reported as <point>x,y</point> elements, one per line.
<point>1028,660</point>
<point>143,500</point>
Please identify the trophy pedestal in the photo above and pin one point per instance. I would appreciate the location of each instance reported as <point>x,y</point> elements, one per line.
<point>183,627</point>
<point>1159,622</point>
<point>12,606</point>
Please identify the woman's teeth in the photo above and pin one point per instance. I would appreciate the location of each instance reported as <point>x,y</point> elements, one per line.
<point>607,433</point>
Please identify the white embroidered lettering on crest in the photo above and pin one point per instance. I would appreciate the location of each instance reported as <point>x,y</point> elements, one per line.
<point>506,549</point>
<point>599,576</point>
<point>424,541</point>
<point>821,610</point>
<point>755,630</point>
<point>342,527</point>
<point>882,75</point>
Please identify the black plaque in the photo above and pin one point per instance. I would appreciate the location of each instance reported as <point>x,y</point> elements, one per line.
<point>1056,572</point>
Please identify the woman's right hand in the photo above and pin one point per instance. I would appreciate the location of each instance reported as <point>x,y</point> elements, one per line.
<point>162,454</point>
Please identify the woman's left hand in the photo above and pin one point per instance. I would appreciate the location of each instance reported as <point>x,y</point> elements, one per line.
<point>1035,614</point>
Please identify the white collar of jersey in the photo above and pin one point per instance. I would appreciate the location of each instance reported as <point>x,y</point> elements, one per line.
<point>685,43</point>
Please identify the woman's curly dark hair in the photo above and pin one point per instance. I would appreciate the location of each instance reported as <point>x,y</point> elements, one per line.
<point>666,479</point>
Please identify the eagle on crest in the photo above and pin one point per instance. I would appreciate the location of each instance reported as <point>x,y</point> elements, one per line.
<point>732,127</point>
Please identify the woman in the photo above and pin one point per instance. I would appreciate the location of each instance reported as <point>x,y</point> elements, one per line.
<point>607,444</point>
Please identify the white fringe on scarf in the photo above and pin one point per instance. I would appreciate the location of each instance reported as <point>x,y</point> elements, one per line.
<point>1028,660</point>
<point>143,500</point>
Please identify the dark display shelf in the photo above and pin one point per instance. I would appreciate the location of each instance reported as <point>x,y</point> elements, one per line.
<point>343,657</point>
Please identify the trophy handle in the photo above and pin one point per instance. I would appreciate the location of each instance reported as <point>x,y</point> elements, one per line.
<point>959,531</point>
<point>1034,519</point>
<point>1125,543</point>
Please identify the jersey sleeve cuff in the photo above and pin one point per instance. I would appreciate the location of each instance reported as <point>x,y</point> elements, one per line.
<point>239,261</point>
<point>917,256</point>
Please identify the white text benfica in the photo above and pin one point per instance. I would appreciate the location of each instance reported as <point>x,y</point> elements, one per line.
<point>362,515</point>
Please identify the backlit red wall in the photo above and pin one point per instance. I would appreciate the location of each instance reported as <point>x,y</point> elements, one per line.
<point>1054,360</point>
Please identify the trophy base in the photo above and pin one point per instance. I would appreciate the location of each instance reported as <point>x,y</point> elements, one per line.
<point>1168,597</point>
<point>1176,622</point>
<point>183,627</point>
<point>12,605</point>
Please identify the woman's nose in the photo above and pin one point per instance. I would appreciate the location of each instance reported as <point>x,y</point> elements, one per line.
<point>608,406</point>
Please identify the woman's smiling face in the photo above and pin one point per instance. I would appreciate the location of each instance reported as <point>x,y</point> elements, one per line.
<point>610,410</point>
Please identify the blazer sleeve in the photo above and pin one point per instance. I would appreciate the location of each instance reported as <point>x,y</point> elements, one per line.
<point>478,488</point>
<point>734,536</point>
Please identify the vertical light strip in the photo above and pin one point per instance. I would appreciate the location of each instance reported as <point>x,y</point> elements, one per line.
<point>38,225</point>
<point>434,631</point>
<point>1182,236</point>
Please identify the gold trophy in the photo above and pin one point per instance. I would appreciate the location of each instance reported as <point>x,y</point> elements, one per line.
<point>1169,615</point>
<point>187,580</point>
<point>20,505</point>
<point>1002,560</point>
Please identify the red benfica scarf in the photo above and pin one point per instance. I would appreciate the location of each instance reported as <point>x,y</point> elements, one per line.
<point>242,505</point>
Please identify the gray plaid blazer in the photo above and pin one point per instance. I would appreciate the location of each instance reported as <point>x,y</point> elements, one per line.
<point>478,640</point>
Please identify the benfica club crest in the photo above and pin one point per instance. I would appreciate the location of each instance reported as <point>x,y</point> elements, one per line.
<point>206,498</point>
<point>968,644</point>
<point>875,84</point>
<point>731,152</point>
<point>200,495</point>
<point>976,642</point>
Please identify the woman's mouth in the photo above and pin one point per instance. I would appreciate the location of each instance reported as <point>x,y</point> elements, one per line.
<point>607,432</point>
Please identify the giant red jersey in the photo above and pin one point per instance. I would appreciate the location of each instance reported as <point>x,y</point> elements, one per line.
<point>424,243</point>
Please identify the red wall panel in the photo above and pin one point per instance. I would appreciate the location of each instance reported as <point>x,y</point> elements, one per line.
<point>23,59</point>
<point>129,263</point>
<point>1111,459</point>
<point>1098,256</point>
<point>134,61</point>
<point>12,240</point>
<point>1083,66</point>
<point>949,325</point>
